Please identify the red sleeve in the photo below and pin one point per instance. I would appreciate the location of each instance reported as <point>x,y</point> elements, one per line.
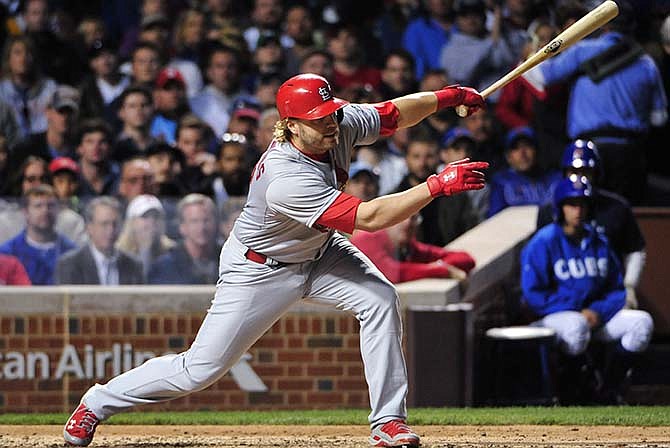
<point>510,108</point>
<point>388,113</point>
<point>425,253</point>
<point>379,250</point>
<point>341,215</point>
<point>14,272</point>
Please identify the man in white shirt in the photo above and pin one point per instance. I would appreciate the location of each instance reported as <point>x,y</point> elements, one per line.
<point>99,262</point>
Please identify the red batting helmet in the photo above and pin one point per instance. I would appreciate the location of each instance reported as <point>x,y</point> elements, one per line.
<point>307,96</point>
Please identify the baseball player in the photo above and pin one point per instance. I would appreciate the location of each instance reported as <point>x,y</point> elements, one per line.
<point>284,248</point>
<point>572,280</point>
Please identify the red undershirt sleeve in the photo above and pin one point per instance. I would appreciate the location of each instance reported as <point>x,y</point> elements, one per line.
<point>388,114</point>
<point>341,215</point>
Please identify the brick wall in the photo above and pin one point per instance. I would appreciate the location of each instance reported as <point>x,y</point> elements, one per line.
<point>306,360</point>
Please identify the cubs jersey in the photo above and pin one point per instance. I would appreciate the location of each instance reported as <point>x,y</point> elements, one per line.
<point>289,191</point>
<point>558,274</point>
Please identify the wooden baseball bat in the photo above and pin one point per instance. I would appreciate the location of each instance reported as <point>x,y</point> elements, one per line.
<point>574,33</point>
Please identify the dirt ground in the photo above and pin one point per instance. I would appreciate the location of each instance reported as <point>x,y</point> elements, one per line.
<point>343,436</point>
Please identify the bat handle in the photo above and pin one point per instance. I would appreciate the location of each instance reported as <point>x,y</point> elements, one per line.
<point>462,110</point>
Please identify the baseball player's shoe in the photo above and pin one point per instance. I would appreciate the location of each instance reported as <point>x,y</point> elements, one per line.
<point>394,434</point>
<point>80,428</point>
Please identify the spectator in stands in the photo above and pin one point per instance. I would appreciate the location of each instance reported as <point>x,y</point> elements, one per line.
<point>269,57</point>
<point>101,89</point>
<point>244,120</point>
<point>9,128</point>
<point>39,245</point>
<point>401,258</point>
<point>137,177</point>
<point>155,29</point>
<point>214,103</point>
<point>350,70</point>
<point>65,176</point>
<point>398,75</point>
<point>319,62</point>
<point>299,31</point>
<point>34,173</point>
<point>482,128</point>
<point>266,16</point>
<point>472,56</point>
<point>441,121</point>
<point>99,262</point>
<point>4,158</point>
<point>12,272</point>
<point>363,182</point>
<point>91,29</point>
<point>616,96</point>
<point>189,48</point>
<point>266,89</point>
<point>199,165</point>
<point>194,260</point>
<point>234,169</point>
<point>170,105</point>
<point>143,235</point>
<point>457,215</point>
<point>427,34</point>
<point>389,165</point>
<point>572,281</point>
<point>167,163</point>
<point>23,86</point>
<point>145,65</point>
<point>135,111</point>
<point>265,130</point>
<point>422,161</point>
<point>131,34</point>
<point>523,183</point>
<point>61,114</point>
<point>609,214</point>
<point>99,174</point>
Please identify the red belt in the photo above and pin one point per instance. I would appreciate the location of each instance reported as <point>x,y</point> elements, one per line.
<point>255,256</point>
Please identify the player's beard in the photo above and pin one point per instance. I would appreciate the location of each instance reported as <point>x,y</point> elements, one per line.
<point>316,143</point>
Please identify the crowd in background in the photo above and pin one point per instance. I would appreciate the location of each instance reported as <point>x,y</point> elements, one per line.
<point>128,130</point>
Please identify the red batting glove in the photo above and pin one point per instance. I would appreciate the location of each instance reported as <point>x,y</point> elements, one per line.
<point>457,177</point>
<point>455,95</point>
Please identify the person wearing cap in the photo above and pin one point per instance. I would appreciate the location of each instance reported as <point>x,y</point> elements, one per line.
<point>56,141</point>
<point>104,84</point>
<point>572,282</point>
<point>224,85</point>
<point>616,98</point>
<point>170,104</point>
<point>609,213</point>
<point>472,55</point>
<point>286,247</point>
<point>65,177</point>
<point>244,119</point>
<point>143,235</point>
<point>99,262</point>
<point>363,181</point>
<point>523,182</point>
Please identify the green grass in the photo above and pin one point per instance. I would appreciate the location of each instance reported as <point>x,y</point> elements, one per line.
<point>624,416</point>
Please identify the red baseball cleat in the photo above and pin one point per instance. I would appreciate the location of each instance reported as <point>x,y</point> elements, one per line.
<point>80,428</point>
<point>394,434</point>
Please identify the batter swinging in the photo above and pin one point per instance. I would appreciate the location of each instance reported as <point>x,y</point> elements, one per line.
<point>284,248</point>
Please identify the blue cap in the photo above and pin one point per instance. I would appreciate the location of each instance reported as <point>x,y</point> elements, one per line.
<point>358,167</point>
<point>518,133</point>
<point>454,134</point>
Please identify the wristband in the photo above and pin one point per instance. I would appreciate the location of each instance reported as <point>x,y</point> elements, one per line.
<point>434,185</point>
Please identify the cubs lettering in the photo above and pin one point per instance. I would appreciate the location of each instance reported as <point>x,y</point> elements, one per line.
<point>577,268</point>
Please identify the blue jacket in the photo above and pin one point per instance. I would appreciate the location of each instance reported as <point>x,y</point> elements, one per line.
<point>424,38</point>
<point>40,264</point>
<point>559,275</point>
<point>510,188</point>
<point>624,100</point>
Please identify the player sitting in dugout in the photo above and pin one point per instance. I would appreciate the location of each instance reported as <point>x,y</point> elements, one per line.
<point>572,280</point>
<point>401,258</point>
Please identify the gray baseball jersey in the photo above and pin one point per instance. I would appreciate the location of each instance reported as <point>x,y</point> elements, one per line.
<point>289,191</point>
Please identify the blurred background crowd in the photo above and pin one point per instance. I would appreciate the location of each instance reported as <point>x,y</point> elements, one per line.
<point>128,129</point>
